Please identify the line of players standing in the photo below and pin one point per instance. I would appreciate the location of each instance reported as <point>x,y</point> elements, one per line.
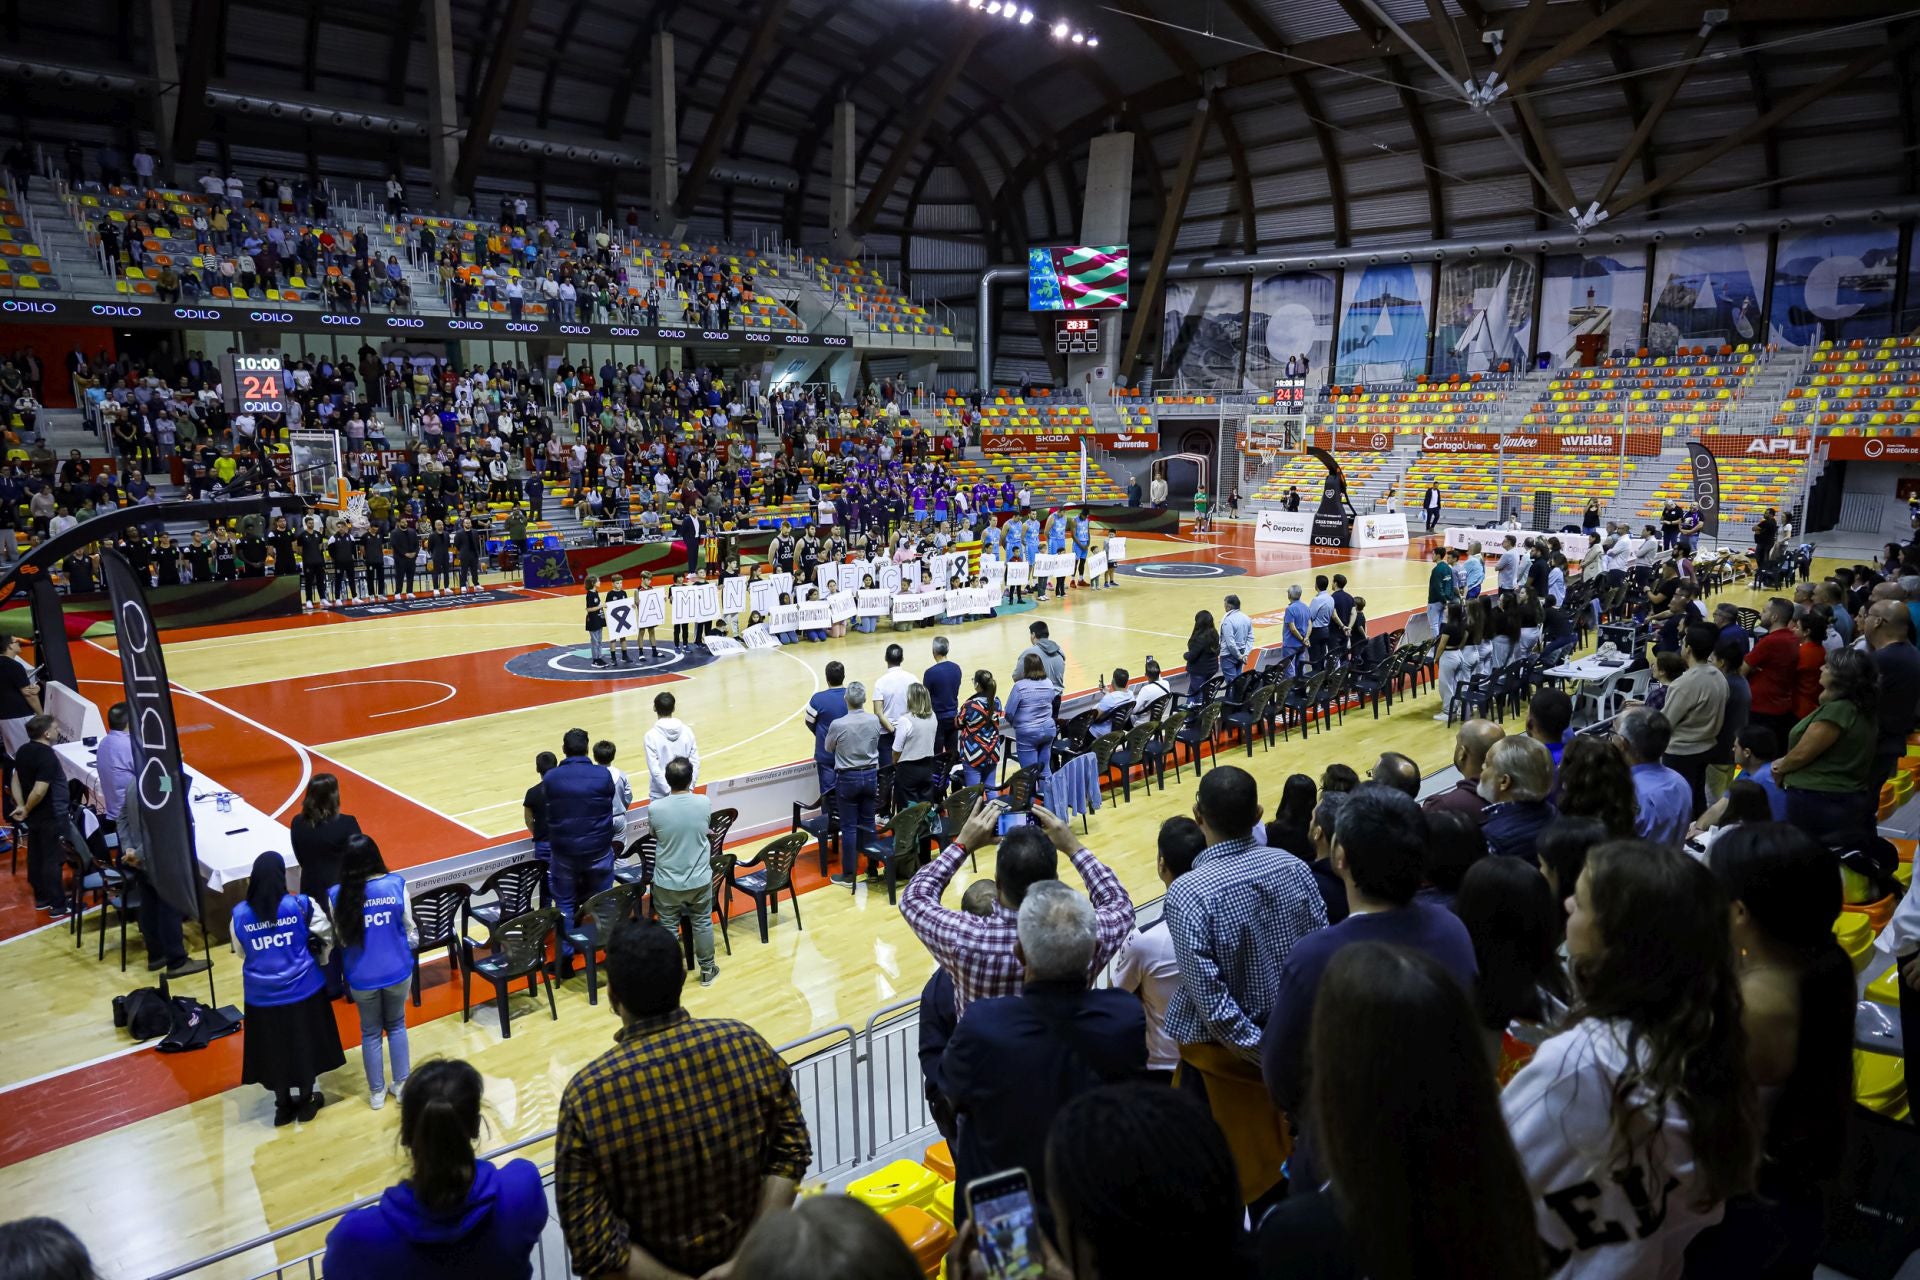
<point>360,566</point>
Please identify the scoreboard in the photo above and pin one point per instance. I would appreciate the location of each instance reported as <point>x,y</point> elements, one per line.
<point>254,384</point>
<point>1076,335</point>
<point>1290,395</point>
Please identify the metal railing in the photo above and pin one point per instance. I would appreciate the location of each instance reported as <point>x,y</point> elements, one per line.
<point>835,1072</point>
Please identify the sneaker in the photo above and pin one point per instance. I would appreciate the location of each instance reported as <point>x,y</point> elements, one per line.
<point>58,911</point>
<point>848,881</point>
<point>155,965</point>
<point>394,1087</point>
<point>1441,717</point>
<point>377,1100</point>
<point>187,968</point>
<point>709,978</point>
<point>599,662</point>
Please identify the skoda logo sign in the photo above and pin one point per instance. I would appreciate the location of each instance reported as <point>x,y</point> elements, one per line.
<point>268,317</point>
<point>405,322</point>
<point>350,321</point>
<point>466,326</point>
<point>28,308</point>
<point>106,309</point>
<point>522,326</point>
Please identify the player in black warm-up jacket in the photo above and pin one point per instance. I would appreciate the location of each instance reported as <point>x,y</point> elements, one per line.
<point>470,546</point>
<point>340,552</point>
<point>406,554</point>
<point>313,563</point>
<point>440,557</point>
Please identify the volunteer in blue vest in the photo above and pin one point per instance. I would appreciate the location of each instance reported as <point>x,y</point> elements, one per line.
<point>373,923</point>
<point>291,1038</point>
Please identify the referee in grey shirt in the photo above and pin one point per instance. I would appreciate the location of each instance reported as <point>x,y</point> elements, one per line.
<point>854,740</point>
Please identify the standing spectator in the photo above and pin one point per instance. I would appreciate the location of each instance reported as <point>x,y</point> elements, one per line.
<point>823,708</point>
<point>1234,920</point>
<point>1145,963</point>
<point>1203,651</point>
<point>1051,658</point>
<point>978,726</point>
<point>1830,753</point>
<point>40,802</point>
<point>1377,853</point>
<point>19,696</point>
<point>373,921</point>
<point>890,697</point>
<point>1797,999</point>
<point>1319,622</point>
<point>291,1038</point>
<point>1236,639</point>
<point>939,1017</point>
<point>1421,1177</point>
<point>1470,747</point>
<point>1030,711</point>
<point>978,951</point>
<point>669,739</point>
<point>1649,1086</point>
<point>1441,590</point>
<point>674,1095</point>
<point>1770,668</point>
<point>1665,802</point>
<point>580,797</point>
<point>456,1217</point>
<point>943,686</point>
<point>683,869</point>
<point>1695,708</point>
<point>1729,656</point>
<point>1888,628</point>
<point>1596,782</point>
<point>533,809</point>
<point>1016,1060</point>
<point>159,921</point>
<point>854,742</point>
<point>1295,624</point>
<point>1517,925</point>
<point>320,835</point>
<point>913,738</point>
<point>1515,783</point>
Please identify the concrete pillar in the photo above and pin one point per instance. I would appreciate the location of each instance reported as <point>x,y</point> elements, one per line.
<point>663,189</point>
<point>840,193</point>
<point>166,92</point>
<point>1106,217</point>
<point>443,148</point>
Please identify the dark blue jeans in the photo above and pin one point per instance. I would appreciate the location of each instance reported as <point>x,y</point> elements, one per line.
<point>858,789</point>
<point>824,768</point>
<point>572,882</point>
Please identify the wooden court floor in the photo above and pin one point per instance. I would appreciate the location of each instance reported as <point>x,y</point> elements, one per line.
<point>156,1160</point>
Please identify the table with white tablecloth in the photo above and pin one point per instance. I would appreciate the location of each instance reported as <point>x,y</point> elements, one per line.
<point>226,844</point>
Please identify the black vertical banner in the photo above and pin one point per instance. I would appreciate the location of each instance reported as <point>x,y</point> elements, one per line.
<point>1330,528</point>
<point>159,786</point>
<point>1706,486</point>
<point>50,632</point>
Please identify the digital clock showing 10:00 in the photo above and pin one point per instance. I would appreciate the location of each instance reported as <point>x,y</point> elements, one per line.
<point>255,384</point>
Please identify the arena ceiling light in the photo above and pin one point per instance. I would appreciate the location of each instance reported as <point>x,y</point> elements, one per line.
<point>1063,29</point>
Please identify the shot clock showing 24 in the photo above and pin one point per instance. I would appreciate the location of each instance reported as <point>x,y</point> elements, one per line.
<point>255,384</point>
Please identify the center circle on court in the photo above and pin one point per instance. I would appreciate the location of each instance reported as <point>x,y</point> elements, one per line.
<point>575,662</point>
<point>1177,569</point>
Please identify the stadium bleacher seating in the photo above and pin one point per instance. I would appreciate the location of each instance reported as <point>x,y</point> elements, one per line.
<point>1747,488</point>
<point>1306,472</point>
<point>863,294</point>
<point>1690,390</point>
<point>1471,482</point>
<point>1867,384</point>
<point>1461,402</point>
<point>23,264</point>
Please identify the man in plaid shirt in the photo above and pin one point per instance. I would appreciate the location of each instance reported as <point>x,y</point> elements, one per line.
<point>978,950</point>
<point>673,1142</point>
<point>1233,919</point>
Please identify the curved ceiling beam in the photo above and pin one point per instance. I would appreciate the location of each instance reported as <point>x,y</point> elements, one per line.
<point>752,54</point>
<point>1763,103</point>
<point>562,39</point>
<point>1422,141</point>
<point>656,17</point>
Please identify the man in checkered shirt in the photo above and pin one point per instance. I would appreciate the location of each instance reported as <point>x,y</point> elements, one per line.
<point>1233,919</point>
<point>977,951</point>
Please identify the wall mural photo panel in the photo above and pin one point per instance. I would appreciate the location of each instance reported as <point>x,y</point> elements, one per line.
<point>1707,294</point>
<point>1592,293</point>
<point>1384,323</point>
<point>1832,286</point>
<point>1206,328</point>
<point>1484,316</point>
<point>1291,315</point>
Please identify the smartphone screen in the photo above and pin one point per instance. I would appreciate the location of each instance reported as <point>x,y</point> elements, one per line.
<point>1009,821</point>
<point>1005,1226</point>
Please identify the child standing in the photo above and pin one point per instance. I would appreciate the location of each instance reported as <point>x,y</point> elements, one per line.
<point>616,593</point>
<point>596,619</point>
<point>650,634</point>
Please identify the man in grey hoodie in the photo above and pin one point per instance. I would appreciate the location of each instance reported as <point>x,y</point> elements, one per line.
<point>1050,657</point>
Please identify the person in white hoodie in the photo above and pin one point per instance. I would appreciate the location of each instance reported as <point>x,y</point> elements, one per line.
<point>669,739</point>
<point>1638,1122</point>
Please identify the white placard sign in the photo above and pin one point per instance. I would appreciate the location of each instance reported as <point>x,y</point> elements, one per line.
<point>827,577</point>
<point>1019,573</point>
<point>1096,564</point>
<point>1053,564</point>
<point>969,603</point>
<point>724,646</point>
<point>888,579</point>
<point>872,604</point>
<point>784,618</point>
<point>913,608</point>
<point>650,607</point>
<point>1388,530</point>
<point>840,606</point>
<point>623,620</point>
<point>994,572</point>
<point>808,591</point>
<point>733,596</point>
<point>699,602</point>
<point>1294,527</point>
<point>815,615</point>
<point>949,568</point>
<point>1116,550</point>
<point>757,637</point>
<point>764,595</point>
